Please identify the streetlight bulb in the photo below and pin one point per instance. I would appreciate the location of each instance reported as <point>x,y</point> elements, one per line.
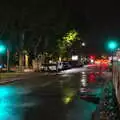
<point>112,45</point>
<point>83,44</point>
<point>2,49</point>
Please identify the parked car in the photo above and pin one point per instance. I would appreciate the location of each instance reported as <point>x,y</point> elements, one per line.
<point>52,67</point>
<point>75,64</point>
<point>3,68</point>
<point>66,65</point>
<point>56,66</point>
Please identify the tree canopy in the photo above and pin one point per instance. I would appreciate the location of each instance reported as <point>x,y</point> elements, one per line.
<point>67,41</point>
<point>46,19</point>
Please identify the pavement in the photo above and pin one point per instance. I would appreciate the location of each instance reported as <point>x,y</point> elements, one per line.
<point>11,77</point>
<point>51,96</point>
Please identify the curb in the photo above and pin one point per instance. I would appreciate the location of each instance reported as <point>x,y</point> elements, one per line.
<point>9,81</point>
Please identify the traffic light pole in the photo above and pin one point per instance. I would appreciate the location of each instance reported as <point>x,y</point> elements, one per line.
<point>112,61</point>
<point>8,57</point>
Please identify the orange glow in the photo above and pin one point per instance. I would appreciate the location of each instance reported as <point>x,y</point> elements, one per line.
<point>102,61</point>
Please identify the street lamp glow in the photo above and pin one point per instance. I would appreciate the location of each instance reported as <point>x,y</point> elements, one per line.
<point>112,45</point>
<point>2,49</point>
<point>83,44</point>
<point>75,57</point>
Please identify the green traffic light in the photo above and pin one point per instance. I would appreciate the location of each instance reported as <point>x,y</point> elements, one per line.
<point>112,45</point>
<point>2,49</point>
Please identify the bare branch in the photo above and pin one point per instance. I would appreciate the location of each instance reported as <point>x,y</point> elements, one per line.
<point>36,46</point>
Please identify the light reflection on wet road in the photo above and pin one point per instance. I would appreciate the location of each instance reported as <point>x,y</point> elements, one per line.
<point>9,103</point>
<point>43,98</point>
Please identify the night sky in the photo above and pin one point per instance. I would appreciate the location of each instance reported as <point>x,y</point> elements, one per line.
<point>104,19</point>
<point>100,23</point>
<point>95,20</point>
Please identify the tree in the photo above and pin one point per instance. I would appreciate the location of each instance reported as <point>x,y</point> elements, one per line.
<point>67,41</point>
<point>20,18</point>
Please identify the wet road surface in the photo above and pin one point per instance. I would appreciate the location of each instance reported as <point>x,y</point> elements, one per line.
<point>53,97</point>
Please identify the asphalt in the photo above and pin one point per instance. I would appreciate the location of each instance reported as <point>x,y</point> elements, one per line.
<point>50,96</point>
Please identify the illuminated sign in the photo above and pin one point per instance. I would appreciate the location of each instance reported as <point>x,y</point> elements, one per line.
<point>75,57</point>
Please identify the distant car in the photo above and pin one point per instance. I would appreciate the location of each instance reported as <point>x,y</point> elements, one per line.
<point>66,65</point>
<point>56,66</point>
<point>48,67</point>
<point>76,64</point>
<point>52,67</point>
<point>3,67</point>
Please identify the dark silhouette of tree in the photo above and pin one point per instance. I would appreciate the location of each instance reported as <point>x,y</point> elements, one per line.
<point>36,25</point>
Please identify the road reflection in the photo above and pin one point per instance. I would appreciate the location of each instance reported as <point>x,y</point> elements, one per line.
<point>40,103</point>
<point>8,104</point>
<point>83,79</point>
<point>91,77</point>
<point>88,93</point>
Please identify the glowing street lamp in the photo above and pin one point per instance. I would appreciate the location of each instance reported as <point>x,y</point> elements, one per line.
<point>112,45</point>
<point>83,44</point>
<point>2,49</point>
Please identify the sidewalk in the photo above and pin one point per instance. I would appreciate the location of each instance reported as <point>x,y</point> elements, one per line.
<point>10,77</point>
<point>86,103</point>
<point>109,108</point>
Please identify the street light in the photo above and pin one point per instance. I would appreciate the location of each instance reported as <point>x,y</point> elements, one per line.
<point>112,45</point>
<point>83,44</point>
<point>2,49</point>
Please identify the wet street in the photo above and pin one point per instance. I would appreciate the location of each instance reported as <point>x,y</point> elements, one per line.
<point>70,95</point>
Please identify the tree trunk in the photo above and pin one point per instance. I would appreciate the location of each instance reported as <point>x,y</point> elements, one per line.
<point>36,46</point>
<point>21,67</point>
<point>45,48</point>
<point>20,62</point>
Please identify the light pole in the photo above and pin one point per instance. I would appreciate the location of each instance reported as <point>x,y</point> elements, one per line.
<point>112,45</point>
<point>8,57</point>
<point>79,50</point>
<point>2,51</point>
